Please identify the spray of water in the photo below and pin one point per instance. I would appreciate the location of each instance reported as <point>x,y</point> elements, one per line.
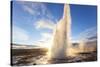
<point>62,35</point>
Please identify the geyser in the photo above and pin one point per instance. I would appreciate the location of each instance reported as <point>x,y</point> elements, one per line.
<point>61,39</point>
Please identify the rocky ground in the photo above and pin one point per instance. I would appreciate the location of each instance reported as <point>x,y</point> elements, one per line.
<point>80,57</point>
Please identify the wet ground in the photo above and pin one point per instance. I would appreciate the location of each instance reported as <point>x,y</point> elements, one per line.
<point>38,57</point>
<point>80,57</point>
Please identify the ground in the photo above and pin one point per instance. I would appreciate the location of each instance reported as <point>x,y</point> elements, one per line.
<point>39,56</point>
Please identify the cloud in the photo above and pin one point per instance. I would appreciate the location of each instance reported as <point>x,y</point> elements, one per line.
<point>45,24</point>
<point>44,20</point>
<point>45,40</point>
<point>32,8</point>
<point>37,9</point>
<point>46,36</point>
<point>41,14</point>
<point>29,10</point>
<point>88,32</point>
<point>19,35</point>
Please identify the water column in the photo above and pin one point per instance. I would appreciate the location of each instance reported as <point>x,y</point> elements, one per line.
<point>61,37</point>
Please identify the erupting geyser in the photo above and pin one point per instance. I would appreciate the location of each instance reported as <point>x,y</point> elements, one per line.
<point>61,39</point>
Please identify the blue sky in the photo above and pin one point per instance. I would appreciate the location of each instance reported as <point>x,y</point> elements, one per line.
<point>33,23</point>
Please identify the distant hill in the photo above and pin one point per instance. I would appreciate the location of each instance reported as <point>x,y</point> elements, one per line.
<point>23,46</point>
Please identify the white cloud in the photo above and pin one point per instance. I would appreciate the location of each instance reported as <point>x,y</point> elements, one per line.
<point>46,21</point>
<point>45,40</point>
<point>46,36</point>
<point>19,35</point>
<point>45,24</point>
<point>37,9</point>
<point>32,8</point>
<point>85,34</point>
<point>29,10</point>
<point>88,33</point>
